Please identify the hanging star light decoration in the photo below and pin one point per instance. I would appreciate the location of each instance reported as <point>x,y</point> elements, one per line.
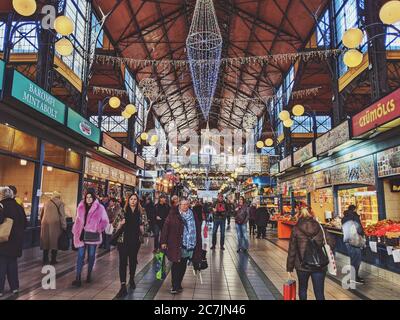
<point>204,46</point>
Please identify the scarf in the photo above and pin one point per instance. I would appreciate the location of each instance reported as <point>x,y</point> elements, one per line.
<point>189,231</point>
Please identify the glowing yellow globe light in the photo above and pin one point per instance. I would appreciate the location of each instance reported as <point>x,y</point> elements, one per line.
<point>25,8</point>
<point>152,143</point>
<point>353,58</point>
<point>64,25</point>
<point>131,109</point>
<point>288,123</point>
<point>259,144</point>
<point>298,110</point>
<point>284,115</point>
<point>64,47</point>
<point>154,138</point>
<point>144,136</point>
<point>114,102</point>
<point>352,38</point>
<point>269,142</point>
<point>390,12</point>
<point>125,115</point>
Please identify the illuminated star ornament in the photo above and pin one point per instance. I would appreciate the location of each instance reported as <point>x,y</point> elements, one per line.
<point>204,45</point>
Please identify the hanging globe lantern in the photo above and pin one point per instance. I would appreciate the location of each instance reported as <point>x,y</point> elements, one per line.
<point>131,109</point>
<point>390,12</point>
<point>154,138</point>
<point>64,47</point>
<point>353,38</point>
<point>288,123</point>
<point>353,58</point>
<point>284,115</point>
<point>25,8</point>
<point>114,102</point>
<point>144,136</point>
<point>125,115</point>
<point>298,110</point>
<point>64,25</point>
<point>259,144</point>
<point>269,142</point>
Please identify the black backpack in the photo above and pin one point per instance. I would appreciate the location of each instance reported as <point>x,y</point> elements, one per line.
<point>315,256</point>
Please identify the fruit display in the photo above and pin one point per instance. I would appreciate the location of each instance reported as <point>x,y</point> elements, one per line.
<point>388,228</point>
<point>284,218</point>
<point>335,223</point>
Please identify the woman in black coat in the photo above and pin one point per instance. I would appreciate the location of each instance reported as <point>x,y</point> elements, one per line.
<point>262,218</point>
<point>11,250</point>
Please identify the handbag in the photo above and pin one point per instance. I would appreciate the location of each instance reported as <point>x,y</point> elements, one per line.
<point>5,229</point>
<point>91,236</point>
<point>63,239</point>
<point>115,236</point>
<point>289,290</point>
<point>109,230</point>
<point>332,269</point>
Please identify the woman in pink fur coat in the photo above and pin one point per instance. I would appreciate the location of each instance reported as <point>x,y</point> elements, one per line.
<point>91,217</point>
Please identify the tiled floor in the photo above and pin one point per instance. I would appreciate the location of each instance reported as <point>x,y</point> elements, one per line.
<point>230,276</point>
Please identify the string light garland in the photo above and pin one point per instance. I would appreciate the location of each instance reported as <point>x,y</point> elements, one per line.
<point>237,61</point>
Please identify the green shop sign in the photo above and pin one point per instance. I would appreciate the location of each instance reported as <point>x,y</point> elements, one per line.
<point>2,69</point>
<point>35,97</point>
<point>82,126</point>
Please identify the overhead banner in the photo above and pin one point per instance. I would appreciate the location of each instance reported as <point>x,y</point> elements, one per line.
<point>35,97</point>
<point>303,154</point>
<point>333,138</point>
<point>83,126</point>
<point>389,162</point>
<point>128,155</point>
<point>140,162</point>
<point>104,171</point>
<point>383,111</point>
<point>285,164</point>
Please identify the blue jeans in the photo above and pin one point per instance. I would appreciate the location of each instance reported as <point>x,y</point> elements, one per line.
<point>219,223</point>
<point>243,239</point>
<point>91,248</point>
<point>355,255</point>
<point>318,281</point>
<point>9,270</point>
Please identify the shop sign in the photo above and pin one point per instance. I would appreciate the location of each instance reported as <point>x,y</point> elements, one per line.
<point>389,162</point>
<point>2,70</point>
<point>303,154</point>
<point>359,171</point>
<point>35,97</point>
<point>139,162</point>
<point>333,138</point>
<point>285,164</point>
<point>83,126</point>
<point>395,185</point>
<point>101,170</point>
<point>383,111</point>
<point>111,144</point>
<point>128,155</point>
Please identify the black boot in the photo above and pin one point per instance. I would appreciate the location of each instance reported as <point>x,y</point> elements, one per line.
<point>53,257</point>
<point>89,278</point>
<point>132,284</point>
<point>77,282</point>
<point>122,292</point>
<point>45,257</point>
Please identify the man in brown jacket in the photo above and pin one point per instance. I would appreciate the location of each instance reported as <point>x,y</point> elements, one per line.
<point>53,222</point>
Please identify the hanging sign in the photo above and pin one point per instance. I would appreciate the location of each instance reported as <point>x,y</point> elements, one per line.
<point>359,171</point>
<point>383,111</point>
<point>140,162</point>
<point>111,144</point>
<point>389,162</point>
<point>128,155</point>
<point>35,97</point>
<point>333,138</point>
<point>83,126</point>
<point>395,185</point>
<point>285,164</point>
<point>303,154</point>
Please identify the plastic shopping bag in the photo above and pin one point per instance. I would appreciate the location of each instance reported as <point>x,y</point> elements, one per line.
<point>289,290</point>
<point>160,265</point>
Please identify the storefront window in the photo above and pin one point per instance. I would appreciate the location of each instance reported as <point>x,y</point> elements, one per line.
<point>95,183</point>
<point>19,173</point>
<point>61,156</point>
<point>365,200</point>
<point>64,182</point>
<point>114,190</point>
<point>18,142</point>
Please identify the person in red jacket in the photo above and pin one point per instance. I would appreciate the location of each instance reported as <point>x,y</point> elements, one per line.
<point>181,238</point>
